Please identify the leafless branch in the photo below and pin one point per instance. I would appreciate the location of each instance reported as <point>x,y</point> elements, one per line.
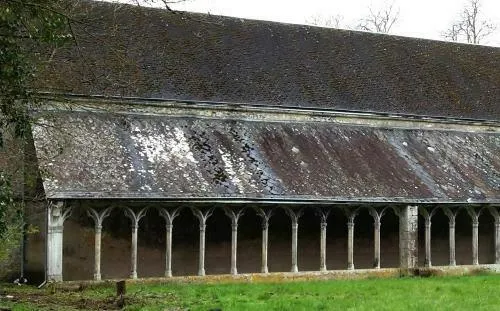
<point>471,26</point>
<point>381,20</point>
<point>334,21</point>
<point>165,3</point>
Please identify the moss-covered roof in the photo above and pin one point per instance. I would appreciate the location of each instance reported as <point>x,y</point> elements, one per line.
<point>126,50</point>
<point>102,154</point>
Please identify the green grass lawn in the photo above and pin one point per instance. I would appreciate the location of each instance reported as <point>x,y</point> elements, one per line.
<point>434,293</point>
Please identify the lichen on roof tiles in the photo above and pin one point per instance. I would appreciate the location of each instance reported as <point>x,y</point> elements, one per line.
<point>96,154</point>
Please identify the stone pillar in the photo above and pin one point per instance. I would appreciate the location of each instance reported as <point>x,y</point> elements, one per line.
<point>234,215</point>
<point>496,216</point>
<point>350,244</point>
<point>202,218</point>
<point>475,234</point>
<point>56,215</point>
<point>428,221</point>
<point>452,215</point>
<point>134,219</point>
<point>323,214</point>
<point>497,241</point>
<point>294,217</point>
<point>408,237</point>
<point>322,259</point>
<point>428,259</point>
<point>451,224</point>
<point>376,229</point>
<point>169,224</point>
<point>266,215</point>
<point>475,242</point>
<point>351,215</point>
<point>98,219</point>
<point>377,222</point>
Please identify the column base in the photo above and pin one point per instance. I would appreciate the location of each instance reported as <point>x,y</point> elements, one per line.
<point>54,278</point>
<point>97,277</point>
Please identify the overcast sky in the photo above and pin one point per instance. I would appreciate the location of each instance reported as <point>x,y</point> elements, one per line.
<point>417,18</point>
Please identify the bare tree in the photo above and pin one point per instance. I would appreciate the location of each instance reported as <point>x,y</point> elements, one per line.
<point>381,20</point>
<point>162,3</point>
<point>471,27</point>
<point>335,21</point>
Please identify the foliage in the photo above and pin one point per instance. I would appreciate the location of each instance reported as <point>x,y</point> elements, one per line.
<point>25,26</point>
<point>10,219</point>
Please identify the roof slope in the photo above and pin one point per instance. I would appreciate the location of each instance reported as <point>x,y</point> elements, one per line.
<point>102,155</point>
<point>125,50</point>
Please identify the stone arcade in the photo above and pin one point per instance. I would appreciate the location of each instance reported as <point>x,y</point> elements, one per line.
<point>186,113</point>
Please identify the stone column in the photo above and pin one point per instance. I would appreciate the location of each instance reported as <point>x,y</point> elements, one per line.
<point>496,216</point>
<point>475,242</point>
<point>234,215</point>
<point>475,234</point>
<point>351,215</point>
<point>408,237</point>
<point>202,218</point>
<point>377,222</point>
<point>98,219</point>
<point>134,219</point>
<point>452,215</point>
<point>266,215</point>
<point>497,241</point>
<point>323,214</point>
<point>428,259</point>
<point>350,244</point>
<point>294,217</point>
<point>428,221</point>
<point>376,229</point>
<point>57,213</point>
<point>451,224</point>
<point>169,224</point>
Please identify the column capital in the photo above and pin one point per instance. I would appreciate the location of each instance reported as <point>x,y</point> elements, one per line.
<point>135,217</point>
<point>294,214</point>
<point>169,216</point>
<point>98,217</point>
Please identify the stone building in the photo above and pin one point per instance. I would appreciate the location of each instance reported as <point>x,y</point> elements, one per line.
<point>226,146</point>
